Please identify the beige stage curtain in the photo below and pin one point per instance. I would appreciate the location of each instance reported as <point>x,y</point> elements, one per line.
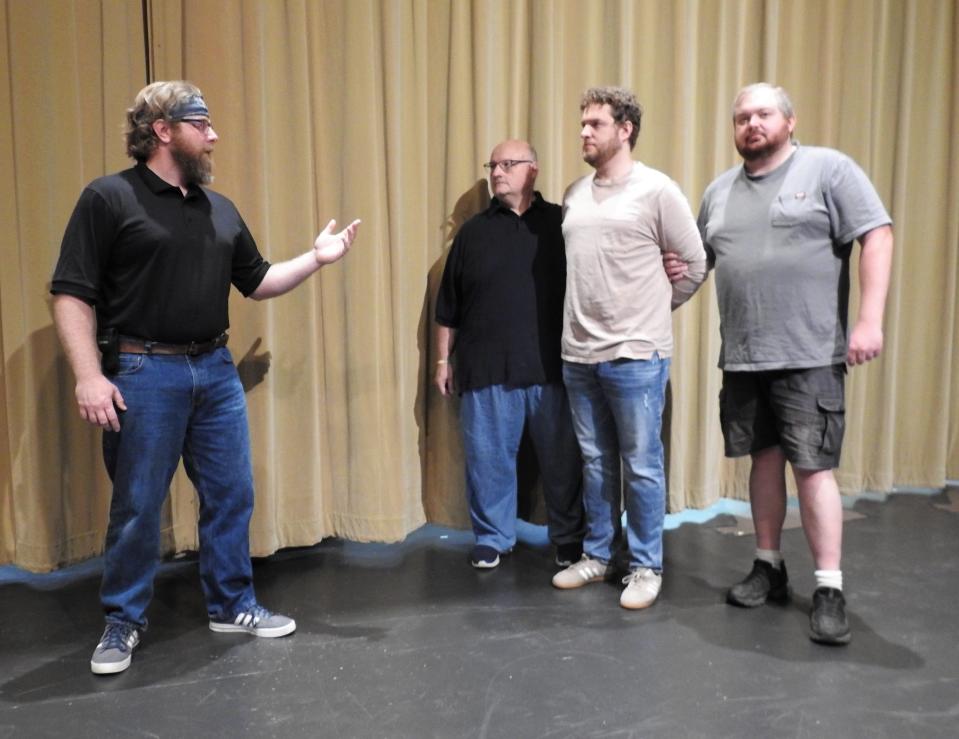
<point>67,68</point>
<point>384,111</point>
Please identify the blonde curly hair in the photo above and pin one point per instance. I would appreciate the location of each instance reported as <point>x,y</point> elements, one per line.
<point>154,102</point>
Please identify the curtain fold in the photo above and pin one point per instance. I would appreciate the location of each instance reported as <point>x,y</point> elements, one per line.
<point>67,66</point>
<point>383,110</point>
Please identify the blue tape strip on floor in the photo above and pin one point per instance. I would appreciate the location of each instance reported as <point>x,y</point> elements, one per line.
<point>376,553</point>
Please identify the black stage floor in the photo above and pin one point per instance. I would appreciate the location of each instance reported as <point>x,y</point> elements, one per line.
<point>407,640</point>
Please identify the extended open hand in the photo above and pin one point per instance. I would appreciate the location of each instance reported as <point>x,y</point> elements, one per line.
<point>329,246</point>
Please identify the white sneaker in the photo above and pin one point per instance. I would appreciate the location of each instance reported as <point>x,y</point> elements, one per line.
<point>581,573</point>
<point>642,588</point>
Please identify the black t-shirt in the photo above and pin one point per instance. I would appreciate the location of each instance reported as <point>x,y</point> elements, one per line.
<point>156,264</point>
<point>502,291</point>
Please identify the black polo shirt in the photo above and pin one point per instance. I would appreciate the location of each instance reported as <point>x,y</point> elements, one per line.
<point>155,263</point>
<point>502,291</point>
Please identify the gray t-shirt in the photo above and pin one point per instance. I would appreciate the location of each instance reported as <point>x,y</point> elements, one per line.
<point>780,245</point>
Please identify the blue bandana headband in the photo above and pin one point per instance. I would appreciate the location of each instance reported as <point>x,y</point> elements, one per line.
<point>192,106</point>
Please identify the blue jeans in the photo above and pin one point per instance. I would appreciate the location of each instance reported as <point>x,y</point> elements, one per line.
<point>178,406</point>
<point>492,419</point>
<point>617,413</point>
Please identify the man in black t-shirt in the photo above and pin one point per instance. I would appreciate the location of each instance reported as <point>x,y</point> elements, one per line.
<point>144,274</point>
<point>499,315</point>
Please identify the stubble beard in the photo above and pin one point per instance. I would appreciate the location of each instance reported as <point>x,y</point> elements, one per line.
<point>599,155</point>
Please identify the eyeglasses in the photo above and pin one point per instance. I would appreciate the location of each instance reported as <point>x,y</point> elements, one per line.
<point>506,164</point>
<point>203,125</point>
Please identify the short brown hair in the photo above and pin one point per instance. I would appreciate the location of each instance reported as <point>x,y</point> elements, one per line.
<point>623,106</point>
<point>154,102</point>
<point>781,97</point>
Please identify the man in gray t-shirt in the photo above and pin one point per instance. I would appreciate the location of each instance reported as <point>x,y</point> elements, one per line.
<point>778,231</point>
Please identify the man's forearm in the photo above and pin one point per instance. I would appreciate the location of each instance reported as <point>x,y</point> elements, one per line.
<point>875,267</point>
<point>443,372</point>
<point>76,325</point>
<point>444,342</point>
<point>328,248</point>
<point>282,277</point>
<point>687,286</point>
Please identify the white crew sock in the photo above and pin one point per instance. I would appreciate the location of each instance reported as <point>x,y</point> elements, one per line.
<point>829,579</point>
<point>772,556</point>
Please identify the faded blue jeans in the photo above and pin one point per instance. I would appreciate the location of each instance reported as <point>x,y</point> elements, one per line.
<point>617,413</point>
<point>492,419</point>
<point>192,407</point>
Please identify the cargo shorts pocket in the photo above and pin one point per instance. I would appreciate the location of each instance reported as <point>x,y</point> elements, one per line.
<point>833,412</point>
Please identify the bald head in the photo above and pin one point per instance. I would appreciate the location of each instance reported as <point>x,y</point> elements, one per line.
<point>513,169</point>
<point>513,149</point>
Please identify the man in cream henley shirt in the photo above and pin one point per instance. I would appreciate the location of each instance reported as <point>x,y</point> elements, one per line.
<point>617,339</point>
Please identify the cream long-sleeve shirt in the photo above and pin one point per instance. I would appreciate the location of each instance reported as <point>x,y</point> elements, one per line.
<point>618,298</point>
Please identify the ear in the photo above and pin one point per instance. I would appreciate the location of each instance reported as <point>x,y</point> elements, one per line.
<point>625,130</point>
<point>791,123</point>
<point>163,130</point>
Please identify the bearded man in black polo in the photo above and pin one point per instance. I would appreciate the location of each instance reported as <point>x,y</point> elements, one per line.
<point>140,304</point>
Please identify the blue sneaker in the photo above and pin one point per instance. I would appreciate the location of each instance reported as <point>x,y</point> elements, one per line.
<point>115,650</point>
<point>255,620</point>
<point>484,558</point>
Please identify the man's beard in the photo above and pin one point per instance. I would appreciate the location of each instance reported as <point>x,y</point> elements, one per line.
<point>601,153</point>
<point>760,152</point>
<point>772,145</point>
<point>197,169</point>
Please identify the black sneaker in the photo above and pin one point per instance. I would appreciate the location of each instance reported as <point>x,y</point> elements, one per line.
<point>566,554</point>
<point>827,619</point>
<point>483,557</point>
<point>765,582</point>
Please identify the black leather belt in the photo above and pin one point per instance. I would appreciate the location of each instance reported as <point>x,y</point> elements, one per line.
<point>130,345</point>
